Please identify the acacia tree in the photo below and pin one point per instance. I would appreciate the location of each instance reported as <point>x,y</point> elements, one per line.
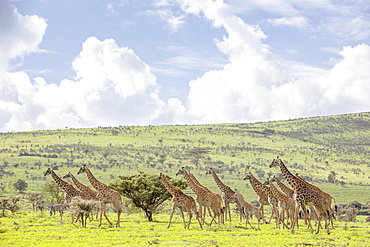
<point>54,191</point>
<point>197,153</point>
<point>144,192</point>
<point>20,185</point>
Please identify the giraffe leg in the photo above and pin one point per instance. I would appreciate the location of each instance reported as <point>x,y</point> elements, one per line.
<point>118,208</point>
<point>197,215</point>
<point>183,217</point>
<point>103,211</point>
<point>172,211</point>
<point>190,215</point>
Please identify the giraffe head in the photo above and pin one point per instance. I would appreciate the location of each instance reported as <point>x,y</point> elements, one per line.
<point>248,176</point>
<point>275,162</point>
<point>159,177</point>
<point>182,171</point>
<point>68,175</point>
<point>48,172</point>
<point>209,171</point>
<point>82,169</point>
<point>267,182</point>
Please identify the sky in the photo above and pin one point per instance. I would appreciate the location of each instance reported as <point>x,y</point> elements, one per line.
<point>89,63</point>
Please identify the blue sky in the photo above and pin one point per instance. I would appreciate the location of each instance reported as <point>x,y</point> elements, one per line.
<point>108,63</point>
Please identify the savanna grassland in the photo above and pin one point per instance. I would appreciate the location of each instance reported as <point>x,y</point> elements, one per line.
<point>330,152</point>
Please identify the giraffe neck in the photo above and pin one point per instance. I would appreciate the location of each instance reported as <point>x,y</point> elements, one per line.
<point>79,185</point>
<point>283,187</point>
<point>276,192</point>
<point>256,184</point>
<point>223,187</point>
<point>171,188</point>
<point>196,188</point>
<point>94,182</point>
<point>292,180</point>
<point>62,184</point>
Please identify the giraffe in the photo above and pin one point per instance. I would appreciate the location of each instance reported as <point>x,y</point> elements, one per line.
<point>327,197</point>
<point>285,203</point>
<point>204,197</point>
<point>247,209</point>
<point>179,200</point>
<point>227,194</point>
<point>68,188</point>
<point>288,191</point>
<point>105,195</point>
<point>263,194</point>
<point>91,194</point>
<point>195,180</point>
<point>304,196</point>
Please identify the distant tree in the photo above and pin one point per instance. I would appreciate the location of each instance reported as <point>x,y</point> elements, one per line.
<point>20,185</point>
<point>36,199</point>
<point>197,153</point>
<point>331,177</point>
<point>54,191</point>
<point>144,192</point>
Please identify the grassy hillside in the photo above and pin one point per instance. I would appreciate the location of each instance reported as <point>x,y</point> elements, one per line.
<point>313,147</point>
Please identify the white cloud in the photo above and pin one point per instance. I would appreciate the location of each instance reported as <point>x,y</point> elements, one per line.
<point>19,35</point>
<point>112,86</point>
<point>298,22</point>
<point>256,85</point>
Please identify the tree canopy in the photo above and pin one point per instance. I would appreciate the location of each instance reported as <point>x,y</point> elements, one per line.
<point>144,192</point>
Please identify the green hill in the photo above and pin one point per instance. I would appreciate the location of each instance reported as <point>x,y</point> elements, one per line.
<point>330,152</point>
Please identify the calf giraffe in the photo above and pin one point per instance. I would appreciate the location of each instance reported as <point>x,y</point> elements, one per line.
<point>68,188</point>
<point>227,194</point>
<point>304,196</point>
<point>179,200</point>
<point>105,195</point>
<point>247,209</point>
<point>263,194</point>
<point>204,197</point>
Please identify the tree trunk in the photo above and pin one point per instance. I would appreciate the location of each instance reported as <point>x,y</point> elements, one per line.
<point>149,215</point>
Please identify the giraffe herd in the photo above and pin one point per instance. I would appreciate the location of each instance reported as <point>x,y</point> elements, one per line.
<point>285,203</point>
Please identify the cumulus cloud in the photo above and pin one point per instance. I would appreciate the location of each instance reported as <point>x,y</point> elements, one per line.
<point>112,86</point>
<point>256,85</point>
<point>19,35</point>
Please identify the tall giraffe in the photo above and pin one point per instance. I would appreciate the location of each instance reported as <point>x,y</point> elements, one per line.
<point>68,188</point>
<point>105,195</point>
<point>304,196</point>
<point>263,194</point>
<point>327,197</point>
<point>286,204</point>
<point>227,194</point>
<point>195,180</point>
<point>179,200</point>
<point>204,197</point>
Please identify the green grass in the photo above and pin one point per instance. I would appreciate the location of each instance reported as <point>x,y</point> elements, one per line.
<point>33,229</point>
